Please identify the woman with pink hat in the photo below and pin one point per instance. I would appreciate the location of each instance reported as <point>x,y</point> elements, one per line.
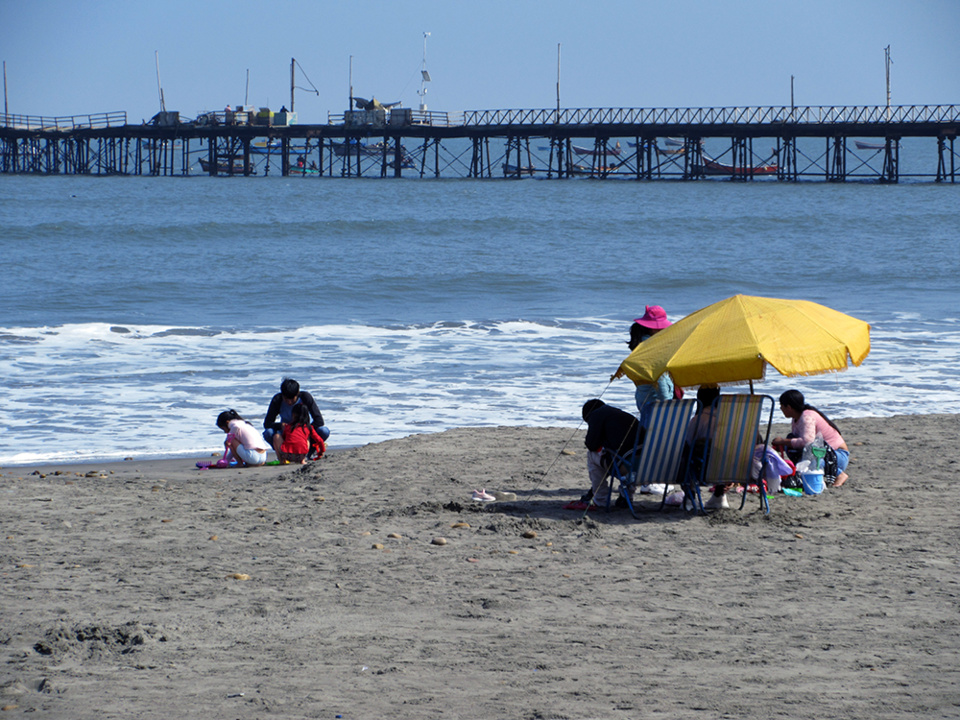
<point>653,321</point>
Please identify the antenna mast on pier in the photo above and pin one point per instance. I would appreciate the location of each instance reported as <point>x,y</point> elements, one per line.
<point>887,62</point>
<point>424,75</point>
<point>558,82</point>
<point>156,55</point>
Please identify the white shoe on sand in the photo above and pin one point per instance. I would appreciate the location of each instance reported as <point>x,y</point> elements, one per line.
<point>483,496</point>
<point>717,502</point>
<point>654,489</point>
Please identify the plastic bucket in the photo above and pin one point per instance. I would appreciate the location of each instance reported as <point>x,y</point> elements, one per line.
<point>812,482</point>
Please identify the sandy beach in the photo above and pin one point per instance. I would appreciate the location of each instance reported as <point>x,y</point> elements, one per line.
<point>156,590</point>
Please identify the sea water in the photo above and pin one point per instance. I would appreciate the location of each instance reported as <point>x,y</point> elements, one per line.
<point>133,310</point>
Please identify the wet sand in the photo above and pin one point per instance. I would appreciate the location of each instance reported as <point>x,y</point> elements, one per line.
<point>156,590</point>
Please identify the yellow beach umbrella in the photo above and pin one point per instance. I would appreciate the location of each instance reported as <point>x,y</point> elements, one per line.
<point>735,339</point>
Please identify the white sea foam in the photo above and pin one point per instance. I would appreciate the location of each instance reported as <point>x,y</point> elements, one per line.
<point>91,391</point>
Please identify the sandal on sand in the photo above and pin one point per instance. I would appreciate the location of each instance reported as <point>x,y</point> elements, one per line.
<point>483,496</point>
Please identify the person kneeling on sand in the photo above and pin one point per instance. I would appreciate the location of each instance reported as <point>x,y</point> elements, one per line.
<point>608,428</point>
<point>243,441</point>
<point>282,404</point>
<point>806,423</point>
<point>300,440</point>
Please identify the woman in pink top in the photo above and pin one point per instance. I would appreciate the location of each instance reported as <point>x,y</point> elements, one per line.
<point>807,421</point>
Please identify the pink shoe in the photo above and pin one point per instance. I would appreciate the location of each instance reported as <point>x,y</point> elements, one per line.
<point>580,505</point>
<point>483,496</point>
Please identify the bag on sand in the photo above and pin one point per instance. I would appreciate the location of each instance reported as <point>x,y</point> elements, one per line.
<point>791,482</point>
<point>830,469</point>
<point>814,453</point>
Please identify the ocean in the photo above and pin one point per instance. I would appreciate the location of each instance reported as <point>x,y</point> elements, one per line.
<point>135,309</point>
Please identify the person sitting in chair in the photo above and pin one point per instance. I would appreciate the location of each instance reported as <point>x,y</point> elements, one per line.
<point>699,433</point>
<point>608,428</point>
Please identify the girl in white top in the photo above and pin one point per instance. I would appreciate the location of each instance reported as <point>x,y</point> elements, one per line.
<point>243,441</point>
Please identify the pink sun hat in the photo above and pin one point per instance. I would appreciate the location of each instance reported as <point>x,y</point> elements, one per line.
<point>654,318</point>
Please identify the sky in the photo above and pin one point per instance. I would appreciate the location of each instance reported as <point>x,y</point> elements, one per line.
<point>84,57</point>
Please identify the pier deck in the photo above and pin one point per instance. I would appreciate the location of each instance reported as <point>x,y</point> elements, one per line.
<point>803,143</point>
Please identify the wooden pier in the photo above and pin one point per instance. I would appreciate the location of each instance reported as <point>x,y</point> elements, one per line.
<point>833,144</point>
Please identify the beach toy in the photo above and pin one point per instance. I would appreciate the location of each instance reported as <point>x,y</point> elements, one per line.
<point>819,453</point>
<point>812,482</point>
<point>793,492</point>
<point>221,463</point>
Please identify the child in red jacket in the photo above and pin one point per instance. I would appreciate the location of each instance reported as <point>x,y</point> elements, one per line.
<point>299,438</point>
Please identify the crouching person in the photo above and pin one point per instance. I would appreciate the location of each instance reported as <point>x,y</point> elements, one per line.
<point>608,428</point>
<point>300,440</point>
<point>243,444</point>
<point>282,405</point>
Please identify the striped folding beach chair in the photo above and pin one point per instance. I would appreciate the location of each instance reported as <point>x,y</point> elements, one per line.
<point>728,456</point>
<point>658,460</point>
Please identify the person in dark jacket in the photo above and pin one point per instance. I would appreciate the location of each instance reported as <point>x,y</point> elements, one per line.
<point>282,405</point>
<point>608,428</point>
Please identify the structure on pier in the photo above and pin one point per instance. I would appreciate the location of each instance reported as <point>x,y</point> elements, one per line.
<point>805,143</point>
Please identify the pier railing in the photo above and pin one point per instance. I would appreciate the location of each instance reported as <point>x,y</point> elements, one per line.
<point>718,116</point>
<point>70,122</point>
<point>408,116</point>
<point>773,115</point>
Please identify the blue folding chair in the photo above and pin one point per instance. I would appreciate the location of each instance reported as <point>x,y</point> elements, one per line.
<point>660,457</point>
<point>728,455</point>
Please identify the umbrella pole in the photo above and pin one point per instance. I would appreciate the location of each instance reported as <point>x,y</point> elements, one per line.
<point>751,387</point>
